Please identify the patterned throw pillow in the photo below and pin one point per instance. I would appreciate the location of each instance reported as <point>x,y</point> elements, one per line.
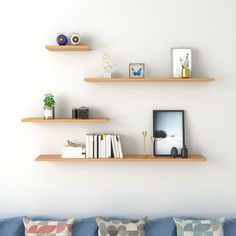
<point>120,227</point>
<point>200,227</point>
<point>48,228</point>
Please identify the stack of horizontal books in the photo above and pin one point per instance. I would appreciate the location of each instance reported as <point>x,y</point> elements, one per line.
<point>73,152</point>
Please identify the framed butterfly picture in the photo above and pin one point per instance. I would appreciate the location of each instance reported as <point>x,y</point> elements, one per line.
<point>136,70</point>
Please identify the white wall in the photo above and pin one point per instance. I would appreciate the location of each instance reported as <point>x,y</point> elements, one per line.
<point>131,31</point>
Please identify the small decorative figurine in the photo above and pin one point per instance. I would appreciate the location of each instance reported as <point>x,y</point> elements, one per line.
<point>153,139</point>
<point>75,39</point>
<point>62,39</point>
<point>184,152</point>
<point>144,143</point>
<point>72,144</point>
<point>49,106</point>
<point>174,152</point>
<point>107,60</point>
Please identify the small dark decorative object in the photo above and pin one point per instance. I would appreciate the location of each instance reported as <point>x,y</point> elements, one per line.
<point>83,113</point>
<point>184,152</point>
<point>62,39</point>
<point>174,152</point>
<point>74,113</point>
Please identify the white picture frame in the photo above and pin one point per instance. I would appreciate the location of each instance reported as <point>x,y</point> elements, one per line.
<point>176,55</point>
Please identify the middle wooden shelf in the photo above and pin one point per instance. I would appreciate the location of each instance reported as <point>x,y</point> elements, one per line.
<point>129,158</point>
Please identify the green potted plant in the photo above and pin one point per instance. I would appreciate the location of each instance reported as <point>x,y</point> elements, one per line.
<point>49,106</point>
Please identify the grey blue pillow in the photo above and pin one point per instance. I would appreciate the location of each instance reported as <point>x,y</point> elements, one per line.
<point>200,227</point>
<point>109,227</point>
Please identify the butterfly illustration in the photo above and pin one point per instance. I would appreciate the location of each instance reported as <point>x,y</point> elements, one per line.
<point>136,73</point>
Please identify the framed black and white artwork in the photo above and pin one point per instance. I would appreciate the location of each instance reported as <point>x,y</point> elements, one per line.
<point>168,130</point>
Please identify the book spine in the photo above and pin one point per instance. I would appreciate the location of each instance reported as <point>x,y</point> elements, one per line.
<point>99,146</point>
<point>87,145</point>
<point>119,147</point>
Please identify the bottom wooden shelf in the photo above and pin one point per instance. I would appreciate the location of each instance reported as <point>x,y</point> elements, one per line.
<point>131,158</point>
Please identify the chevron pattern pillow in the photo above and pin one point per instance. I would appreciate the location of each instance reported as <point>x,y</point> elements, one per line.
<point>120,227</point>
<point>48,228</point>
<point>200,227</point>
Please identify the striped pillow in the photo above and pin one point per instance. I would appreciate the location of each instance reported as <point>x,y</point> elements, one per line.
<point>48,228</point>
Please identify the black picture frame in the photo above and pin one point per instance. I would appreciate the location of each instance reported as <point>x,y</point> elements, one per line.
<point>160,134</point>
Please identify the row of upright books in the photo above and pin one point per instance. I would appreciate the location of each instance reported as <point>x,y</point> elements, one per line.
<point>103,146</point>
<point>97,146</point>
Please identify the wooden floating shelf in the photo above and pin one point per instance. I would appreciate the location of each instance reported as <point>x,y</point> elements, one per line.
<point>68,48</point>
<point>90,120</point>
<point>133,158</point>
<point>148,80</point>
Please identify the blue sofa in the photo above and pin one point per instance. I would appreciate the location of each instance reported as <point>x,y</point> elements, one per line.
<point>88,227</point>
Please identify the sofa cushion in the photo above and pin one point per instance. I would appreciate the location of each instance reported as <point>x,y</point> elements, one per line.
<point>48,228</point>
<point>199,227</point>
<point>111,227</point>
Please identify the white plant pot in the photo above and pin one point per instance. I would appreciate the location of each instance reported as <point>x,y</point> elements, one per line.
<point>107,74</point>
<point>49,112</point>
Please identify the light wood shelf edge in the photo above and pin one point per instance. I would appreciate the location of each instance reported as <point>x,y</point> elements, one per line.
<point>90,120</point>
<point>149,80</point>
<point>81,47</point>
<point>133,158</point>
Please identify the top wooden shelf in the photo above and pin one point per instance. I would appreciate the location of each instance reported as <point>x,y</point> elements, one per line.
<point>148,80</point>
<point>68,48</point>
<point>90,120</point>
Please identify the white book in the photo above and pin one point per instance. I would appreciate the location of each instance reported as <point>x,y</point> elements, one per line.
<point>87,145</point>
<point>95,142</point>
<point>91,146</point>
<point>114,146</point>
<point>99,147</point>
<point>73,156</point>
<point>109,146</point>
<point>103,146</point>
<point>73,153</point>
<point>73,149</point>
<point>119,147</point>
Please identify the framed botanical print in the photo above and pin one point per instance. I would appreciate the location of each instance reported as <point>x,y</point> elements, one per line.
<point>181,62</point>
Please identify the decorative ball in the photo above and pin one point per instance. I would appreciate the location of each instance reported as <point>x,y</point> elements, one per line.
<point>62,39</point>
<point>75,39</point>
